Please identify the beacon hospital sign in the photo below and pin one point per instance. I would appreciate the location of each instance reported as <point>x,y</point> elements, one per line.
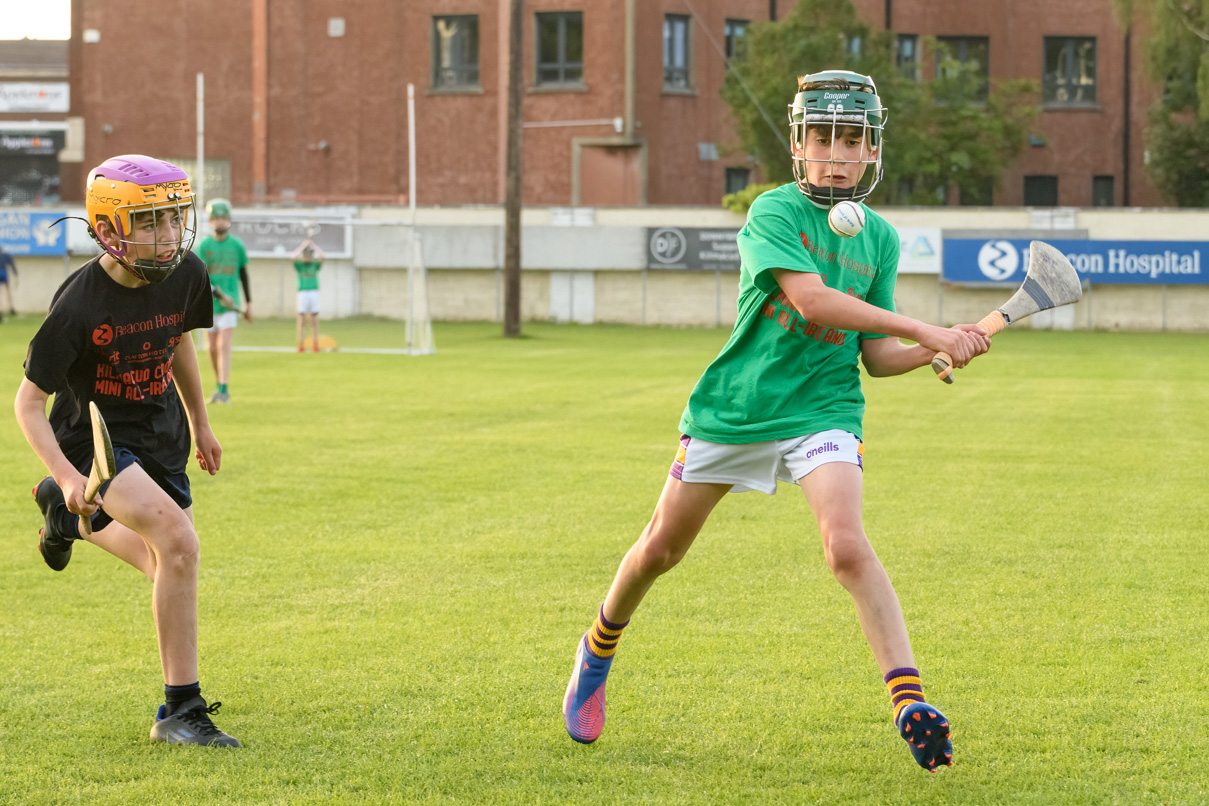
<point>1119,262</point>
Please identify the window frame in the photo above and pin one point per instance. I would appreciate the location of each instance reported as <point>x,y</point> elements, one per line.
<point>911,69</point>
<point>1098,193</point>
<point>734,44</point>
<point>467,74</point>
<point>734,171</point>
<point>1057,190</point>
<point>685,71</point>
<point>561,19</point>
<point>961,53</point>
<point>1051,86</point>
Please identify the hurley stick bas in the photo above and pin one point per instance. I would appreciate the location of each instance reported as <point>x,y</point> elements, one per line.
<point>103,463</point>
<point>1049,282</point>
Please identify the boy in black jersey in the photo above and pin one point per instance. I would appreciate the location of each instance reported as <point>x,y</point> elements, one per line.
<point>116,335</point>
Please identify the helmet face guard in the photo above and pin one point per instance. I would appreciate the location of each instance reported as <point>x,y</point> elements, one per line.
<point>852,103</point>
<point>124,191</point>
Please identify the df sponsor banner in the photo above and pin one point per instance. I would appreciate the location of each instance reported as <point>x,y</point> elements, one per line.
<point>717,249</point>
<point>694,249</point>
<point>1099,262</point>
<point>31,234</point>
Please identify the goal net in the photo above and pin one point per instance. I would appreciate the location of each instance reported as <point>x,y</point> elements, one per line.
<point>373,283</point>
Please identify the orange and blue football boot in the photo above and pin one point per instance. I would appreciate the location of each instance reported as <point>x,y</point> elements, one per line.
<point>584,703</point>
<point>927,733</point>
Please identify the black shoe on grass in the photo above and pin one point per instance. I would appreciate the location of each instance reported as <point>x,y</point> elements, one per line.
<point>54,538</point>
<point>190,724</point>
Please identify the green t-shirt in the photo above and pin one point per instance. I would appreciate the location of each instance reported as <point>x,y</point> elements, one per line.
<point>223,260</point>
<point>780,375</point>
<point>308,274</point>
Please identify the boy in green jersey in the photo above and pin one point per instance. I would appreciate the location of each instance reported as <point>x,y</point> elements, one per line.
<point>783,401</point>
<point>308,260</point>
<point>226,260</point>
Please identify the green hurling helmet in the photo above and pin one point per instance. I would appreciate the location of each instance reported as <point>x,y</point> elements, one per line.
<point>839,103</point>
<point>219,208</point>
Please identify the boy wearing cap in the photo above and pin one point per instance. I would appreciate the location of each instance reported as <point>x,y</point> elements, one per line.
<point>226,260</point>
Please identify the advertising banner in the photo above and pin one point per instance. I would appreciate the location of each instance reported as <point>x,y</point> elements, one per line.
<point>717,250</point>
<point>692,248</point>
<point>980,261</point>
<point>919,250</point>
<point>31,234</point>
<point>278,234</point>
<point>29,96</point>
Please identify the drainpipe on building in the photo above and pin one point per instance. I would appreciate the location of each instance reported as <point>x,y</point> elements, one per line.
<point>1128,120</point>
<point>260,99</point>
<point>628,126</point>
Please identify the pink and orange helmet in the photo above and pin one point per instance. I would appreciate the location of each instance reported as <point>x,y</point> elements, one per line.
<point>121,188</point>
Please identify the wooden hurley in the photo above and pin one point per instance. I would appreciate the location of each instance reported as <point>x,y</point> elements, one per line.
<point>103,462</point>
<point>1049,282</point>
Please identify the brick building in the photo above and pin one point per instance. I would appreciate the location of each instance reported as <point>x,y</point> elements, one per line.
<point>307,102</point>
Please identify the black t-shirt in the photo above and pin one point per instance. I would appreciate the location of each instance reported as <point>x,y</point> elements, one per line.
<point>113,345</point>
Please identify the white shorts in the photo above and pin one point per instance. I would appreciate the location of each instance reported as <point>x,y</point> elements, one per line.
<point>759,465</point>
<point>308,301</point>
<point>224,321</point>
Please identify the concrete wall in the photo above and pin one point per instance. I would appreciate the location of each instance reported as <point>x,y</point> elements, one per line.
<point>597,272</point>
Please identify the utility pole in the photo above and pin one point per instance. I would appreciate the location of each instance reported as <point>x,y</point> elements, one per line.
<point>512,201</point>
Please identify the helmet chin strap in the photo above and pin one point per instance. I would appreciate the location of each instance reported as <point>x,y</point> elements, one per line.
<point>826,196</point>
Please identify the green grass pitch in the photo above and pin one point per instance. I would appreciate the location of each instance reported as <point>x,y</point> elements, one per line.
<point>400,554</point>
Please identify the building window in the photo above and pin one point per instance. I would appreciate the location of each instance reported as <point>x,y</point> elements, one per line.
<point>737,179</point>
<point>560,47</point>
<point>736,46</point>
<point>853,46</point>
<point>980,195</point>
<point>675,52</point>
<point>1040,191</point>
<point>973,51</point>
<point>906,55</point>
<point>1070,71</point>
<point>455,51</point>
<point>1103,194</point>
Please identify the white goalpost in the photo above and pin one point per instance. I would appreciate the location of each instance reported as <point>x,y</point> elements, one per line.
<point>419,318</point>
<point>396,244</point>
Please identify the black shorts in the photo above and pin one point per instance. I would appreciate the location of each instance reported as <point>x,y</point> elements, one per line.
<point>176,485</point>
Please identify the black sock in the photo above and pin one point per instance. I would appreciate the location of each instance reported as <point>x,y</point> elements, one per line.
<point>175,695</point>
<point>66,522</point>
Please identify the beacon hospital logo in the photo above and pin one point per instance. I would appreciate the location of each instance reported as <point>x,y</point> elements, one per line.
<point>998,260</point>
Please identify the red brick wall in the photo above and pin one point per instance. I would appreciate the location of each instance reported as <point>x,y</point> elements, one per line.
<point>351,93</point>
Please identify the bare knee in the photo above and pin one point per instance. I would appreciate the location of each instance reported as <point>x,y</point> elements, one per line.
<point>178,550</point>
<point>848,552</point>
<point>656,553</point>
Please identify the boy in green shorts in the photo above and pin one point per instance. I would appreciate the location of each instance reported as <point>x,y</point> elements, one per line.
<point>783,401</point>
<point>226,260</point>
<point>308,260</point>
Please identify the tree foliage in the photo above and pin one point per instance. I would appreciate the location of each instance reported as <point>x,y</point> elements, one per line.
<point>950,133</point>
<point>1177,55</point>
